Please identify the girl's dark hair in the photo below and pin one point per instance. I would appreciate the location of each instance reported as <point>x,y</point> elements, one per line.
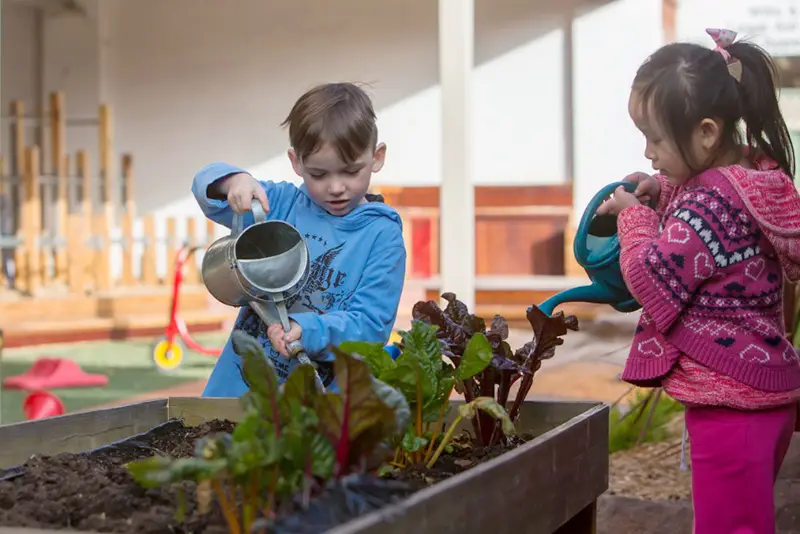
<point>685,83</point>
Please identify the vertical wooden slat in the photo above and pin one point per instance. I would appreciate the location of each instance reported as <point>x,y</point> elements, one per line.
<point>106,161</point>
<point>58,129</point>
<point>62,212</point>
<point>102,242</point>
<point>211,230</point>
<point>191,273</point>
<point>84,171</point>
<point>77,253</point>
<point>18,135</point>
<point>8,205</point>
<point>149,275</point>
<point>82,253</point>
<point>128,221</point>
<point>171,248</point>
<point>32,227</point>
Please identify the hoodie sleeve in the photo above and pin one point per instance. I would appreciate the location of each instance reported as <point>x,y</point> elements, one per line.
<point>372,309</point>
<point>218,210</point>
<point>663,271</point>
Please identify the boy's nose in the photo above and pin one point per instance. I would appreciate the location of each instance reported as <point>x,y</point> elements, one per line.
<point>336,187</point>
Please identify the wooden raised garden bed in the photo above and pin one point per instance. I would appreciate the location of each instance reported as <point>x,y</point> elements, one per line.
<point>549,484</point>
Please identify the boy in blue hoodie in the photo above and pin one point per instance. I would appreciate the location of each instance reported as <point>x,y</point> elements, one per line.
<point>355,241</point>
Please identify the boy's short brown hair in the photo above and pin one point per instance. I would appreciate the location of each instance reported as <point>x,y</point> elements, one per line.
<point>336,113</point>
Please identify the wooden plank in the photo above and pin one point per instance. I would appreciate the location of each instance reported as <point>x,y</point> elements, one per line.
<point>77,432</point>
<point>149,274</point>
<point>171,236</point>
<point>32,227</point>
<point>128,279</point>
<point>62,214</point>
<point>106,161</point>
<point>566,469</point>
<point>102,257</point>
<point>76,253</point>
<point>191,273</point>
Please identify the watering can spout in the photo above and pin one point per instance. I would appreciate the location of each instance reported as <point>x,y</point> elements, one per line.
<point>594,293</point>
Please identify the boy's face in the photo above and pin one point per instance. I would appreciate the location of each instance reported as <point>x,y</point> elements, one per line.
<point>336,185</point>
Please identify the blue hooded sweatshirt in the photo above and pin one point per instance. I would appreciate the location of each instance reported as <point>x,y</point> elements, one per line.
<point>353,286</point>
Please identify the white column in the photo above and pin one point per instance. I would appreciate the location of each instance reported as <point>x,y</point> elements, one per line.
<point>457,196</point>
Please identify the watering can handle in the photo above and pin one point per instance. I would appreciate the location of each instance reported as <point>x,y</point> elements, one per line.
<point>237,225</point>
<point>591,209</point>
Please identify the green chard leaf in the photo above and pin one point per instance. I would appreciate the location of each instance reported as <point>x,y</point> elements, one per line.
<point>376,357</point>
<point>158,471</point>
<point>491,407</point>
<point>477,357</point>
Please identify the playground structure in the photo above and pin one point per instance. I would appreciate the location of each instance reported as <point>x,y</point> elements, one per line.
<point>63,218</point>
<point>73,248</point>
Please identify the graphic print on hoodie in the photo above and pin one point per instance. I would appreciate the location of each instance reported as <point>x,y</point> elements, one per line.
<point>352,289</point>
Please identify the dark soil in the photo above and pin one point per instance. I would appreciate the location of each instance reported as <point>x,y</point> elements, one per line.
<point>463,457</point>
<point>93,491</point>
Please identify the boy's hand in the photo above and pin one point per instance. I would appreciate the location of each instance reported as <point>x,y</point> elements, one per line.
<point>647,189</point>
<point>240,190</point>
<point>279,339</point>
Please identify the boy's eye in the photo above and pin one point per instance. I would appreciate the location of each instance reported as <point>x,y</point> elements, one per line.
<point>352,172</point>
<point>317,175</point>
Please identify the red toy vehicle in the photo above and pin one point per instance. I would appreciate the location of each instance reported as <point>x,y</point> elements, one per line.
<point>168,351</point>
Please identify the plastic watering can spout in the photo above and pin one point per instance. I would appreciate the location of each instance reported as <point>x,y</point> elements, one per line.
<point>596,248</point>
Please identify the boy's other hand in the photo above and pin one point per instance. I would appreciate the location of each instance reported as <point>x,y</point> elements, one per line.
<point>280,340</point>
<point>240,190</point>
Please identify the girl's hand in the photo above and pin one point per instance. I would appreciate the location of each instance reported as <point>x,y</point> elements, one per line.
<point>240,190</point>
<point>280,340</point>
<point>621,200</point>
<point>647,189</point>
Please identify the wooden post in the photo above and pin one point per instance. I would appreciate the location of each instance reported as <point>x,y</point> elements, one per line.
<point>171,236</point>
<point>128,221</point>
<point>149,275</point>
<point>211,231</point>
<point>76,252</point>
<point>457,193</point>
<point>18,135</point>
<point>191,273</point>
<point>106,161</point>
<point>32,225</point>
<point>101,240</point>
<point>3,175</point>
<point>81,255</point>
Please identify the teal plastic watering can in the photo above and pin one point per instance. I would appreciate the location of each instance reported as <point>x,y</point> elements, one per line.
<point>596,249</point>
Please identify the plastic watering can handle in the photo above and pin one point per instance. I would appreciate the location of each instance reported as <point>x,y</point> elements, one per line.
<point>237,225</point>
<point>583,228</point>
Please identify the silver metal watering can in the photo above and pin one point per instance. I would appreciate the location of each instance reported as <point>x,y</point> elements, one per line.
<point>259,266</point>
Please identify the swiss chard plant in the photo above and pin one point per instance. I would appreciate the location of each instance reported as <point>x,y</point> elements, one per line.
<point>427,381</point>
<point>457,327</point>
<point>291,439</point>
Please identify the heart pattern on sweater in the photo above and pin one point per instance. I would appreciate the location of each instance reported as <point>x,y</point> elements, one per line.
<point>754,354</point>
<point>754,269</point>
<point>678,234</point>
<point>703,266</point>
<point>651,347</point>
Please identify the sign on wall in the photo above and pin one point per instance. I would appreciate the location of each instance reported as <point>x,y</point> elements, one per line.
<point>772,24</point>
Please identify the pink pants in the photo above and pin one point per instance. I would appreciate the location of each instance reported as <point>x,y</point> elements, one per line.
<point>736,456</point>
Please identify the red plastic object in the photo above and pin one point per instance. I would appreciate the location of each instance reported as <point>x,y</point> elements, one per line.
<point>51,373</point>
<point>41,404</point>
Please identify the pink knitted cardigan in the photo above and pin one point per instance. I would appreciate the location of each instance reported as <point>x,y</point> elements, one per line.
<point>708,274</point>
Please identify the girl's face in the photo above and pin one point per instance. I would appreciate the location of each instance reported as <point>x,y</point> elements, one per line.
<point>663,152</point>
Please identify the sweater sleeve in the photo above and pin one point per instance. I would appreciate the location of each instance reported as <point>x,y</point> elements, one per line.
<point>664,271</point>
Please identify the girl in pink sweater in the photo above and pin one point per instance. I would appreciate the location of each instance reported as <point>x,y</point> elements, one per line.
<point>706,243</point>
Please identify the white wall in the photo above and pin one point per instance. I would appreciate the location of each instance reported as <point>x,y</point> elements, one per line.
<point>192,81</point>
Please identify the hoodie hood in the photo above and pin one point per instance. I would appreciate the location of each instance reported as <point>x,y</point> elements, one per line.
<point>773,201</point>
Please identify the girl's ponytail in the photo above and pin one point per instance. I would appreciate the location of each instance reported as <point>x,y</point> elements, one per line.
<point>766,130</point>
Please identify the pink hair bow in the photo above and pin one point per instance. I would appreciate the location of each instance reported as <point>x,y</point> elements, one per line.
<point>723,39</point>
